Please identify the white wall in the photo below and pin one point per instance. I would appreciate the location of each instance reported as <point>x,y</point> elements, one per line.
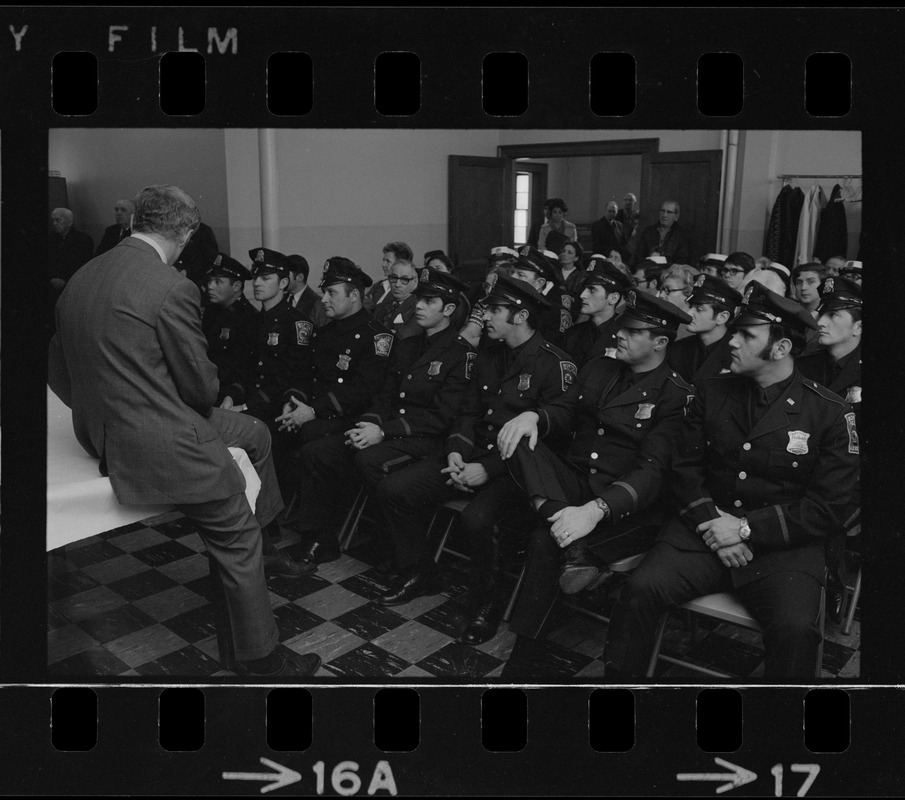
<point>349,192</point>
<point>103,165</point>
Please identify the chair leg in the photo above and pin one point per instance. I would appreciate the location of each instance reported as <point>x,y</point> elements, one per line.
<point>347,532</point>
<point>657,643</point>
<point>515,592</point>
<point>443,538</point>
<point>852,605</point>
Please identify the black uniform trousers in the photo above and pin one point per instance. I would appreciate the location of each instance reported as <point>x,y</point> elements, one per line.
<point>332,472</point>
<point>786,604</point>
<point>408,498</point>
<point>541,473</point>
<point>232,535</point>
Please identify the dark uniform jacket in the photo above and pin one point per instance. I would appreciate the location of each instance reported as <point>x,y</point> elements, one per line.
<point>398,319</point>
<point>281,362</point>
<point>587,340</point>
<point>792,475</point>
<point>506,383</point>
<point>231,334</point>
<point>623,439</point>
<point>843,378</point>
<point>693,361</point>
<point>676,247</point>
<point>112,237</point>
<point>351,358</point>
<point>311,306</point>
<point>425,386</point>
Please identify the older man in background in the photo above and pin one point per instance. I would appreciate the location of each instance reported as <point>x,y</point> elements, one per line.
<point>122,213</point>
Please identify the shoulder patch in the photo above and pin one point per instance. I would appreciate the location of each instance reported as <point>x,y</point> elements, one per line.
<point>383,343</point>
<point>469,365</point>
<point>565,320</point>
<point>303,330</point>
<point>853,444</point>
<point>568,372</point>
<point>566,300</point>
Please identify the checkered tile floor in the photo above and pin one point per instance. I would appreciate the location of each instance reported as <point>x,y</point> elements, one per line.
<point>134,602</point>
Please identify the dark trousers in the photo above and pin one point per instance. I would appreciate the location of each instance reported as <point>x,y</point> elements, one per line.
<point>541,473</point>
<point>786,604</point>
<point>232,535</point>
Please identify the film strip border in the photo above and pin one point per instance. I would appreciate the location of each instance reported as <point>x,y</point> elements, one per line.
<point>454,741</point>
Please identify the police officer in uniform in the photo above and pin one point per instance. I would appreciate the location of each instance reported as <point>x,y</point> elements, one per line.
<point>229,323</point>
<point>600,501</point>
<point>537,270</point>
<point>711,306</point>
<point>764,476</point>
<point>406,422</point>
<point>515,371</point>
<point>605,286</point>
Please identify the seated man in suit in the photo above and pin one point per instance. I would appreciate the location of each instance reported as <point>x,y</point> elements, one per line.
<point>122,213</point>
<point>300,295</point>
<point>130,359</point>
<point>406,422</point>
<point>764,475</point>
<point>379,291</point>
<point>396,311</point>
<point>607,233</point>
<point>598,502</point>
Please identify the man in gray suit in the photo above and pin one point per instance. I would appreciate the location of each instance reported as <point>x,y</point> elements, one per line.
<point>130,359</point>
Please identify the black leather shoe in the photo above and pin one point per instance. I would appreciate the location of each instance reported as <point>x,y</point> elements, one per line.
<point>282,564</point>
<point>578,571</point>
<point>320,553</point>
<point>484,624</point>
<point>408,587</point>
<point>292,665</point>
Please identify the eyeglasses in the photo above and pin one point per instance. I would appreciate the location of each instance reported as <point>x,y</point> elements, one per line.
<point>398,279</point>
<point>636,282</point>
<point>731,271</point>
<point>664,290</point>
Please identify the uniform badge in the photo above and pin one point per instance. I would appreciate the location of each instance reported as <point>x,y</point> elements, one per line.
<point>565,320</point>
<point>853,395</point>
<point>303,330</point>
<point>853,445</point>
<point>469,364</point>
<point>610,352</point>
<point>382,344</point>
<point>224,334</point>
<point>568,371</point>
<point>344,362</point>
<point>273,338</point>
<point>798,443</point>
<point>434,368</point>
<point>524,381</point>
<point>567,301</point>
<point>644,410</point>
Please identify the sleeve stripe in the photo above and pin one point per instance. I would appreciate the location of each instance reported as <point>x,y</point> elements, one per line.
<point>393,462</point>
<point>695,504</point>
<point>408,428</point>
<point>630,489</point>
<point>335,402</point>
<point>463,438</point>
<point>782,524</point>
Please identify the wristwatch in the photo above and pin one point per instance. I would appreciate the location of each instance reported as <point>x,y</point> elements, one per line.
<point>601,504</point>
<point>744,529</point>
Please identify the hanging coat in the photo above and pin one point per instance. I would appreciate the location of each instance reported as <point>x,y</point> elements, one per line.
<point>807,226</point>
<point>832,235</point>
<point>791,215</point>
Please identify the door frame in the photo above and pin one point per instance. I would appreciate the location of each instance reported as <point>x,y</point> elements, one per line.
<point>610,147</point>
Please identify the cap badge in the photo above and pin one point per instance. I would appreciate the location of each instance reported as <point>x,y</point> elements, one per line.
<point>631,298</point>
<point>217,260</point>
<point>699,281</point>
<point>644,410</point>
<point>828,286</point>
<point>748,292</point>
<point>524,250</point>
<point>425,275</point>
<point>524,381</point>
<point>259,256</point>
<point>798,443</point>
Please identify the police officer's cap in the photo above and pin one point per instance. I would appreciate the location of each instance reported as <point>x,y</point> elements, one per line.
<point>602,272</point>
<point>436,283</point>
<point>851,269</point>
<point>782,269</point>
<point>654,261</point>
<point>839,293</point>
<point>503,253</point>
<point>342,270</point>
<point>760,306</point>
<point>537,264</point>
<point>713,260</point>
<point>509,291</point>
<point>227,267</point>
<point>643,310</point>
<point>708,289</point>
<point>546,256</point>
<point>265,261</point>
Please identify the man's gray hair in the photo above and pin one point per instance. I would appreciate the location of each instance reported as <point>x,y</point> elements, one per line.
<point>63,212</point>
<point>165,210</point>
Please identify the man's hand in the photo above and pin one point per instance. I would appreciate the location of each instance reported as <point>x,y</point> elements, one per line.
<point>720,532</point>
<point>736,555</point>
<point>525,424</point>
<point>364,434</point>
<point>295,414</point>
<point>574,522</point>
<point>227,404</point>
<point>462,476</point>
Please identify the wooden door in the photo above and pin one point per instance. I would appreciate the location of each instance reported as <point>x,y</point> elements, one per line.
<point>480,211</point>
<point>692,179</point>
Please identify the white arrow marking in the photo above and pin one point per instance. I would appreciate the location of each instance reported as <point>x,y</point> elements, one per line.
<point>738,777</point>
<point>276,780</point>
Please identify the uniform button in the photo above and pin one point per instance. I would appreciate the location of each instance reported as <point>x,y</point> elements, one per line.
<point>489,411</point>
<point>484,388</point>
<point>339,380</point>
<point>593,471</point>
<point>593,455</point>
<point>737,504</point>
<point>742,475</point>
<point>638,425</point>
<point>409,377</point>
<point>794,463</point>
<point>402,394</point>
<point>490,447</point>
<point>401,410</point>
<point>357,336</point>
<point>260,363</point>
<point>600,431</point>
<point>745,446</point>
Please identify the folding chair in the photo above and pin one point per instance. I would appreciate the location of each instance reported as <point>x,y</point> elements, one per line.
<point>350,525</point>
<point>726,608</point>
<point>853,592</point>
